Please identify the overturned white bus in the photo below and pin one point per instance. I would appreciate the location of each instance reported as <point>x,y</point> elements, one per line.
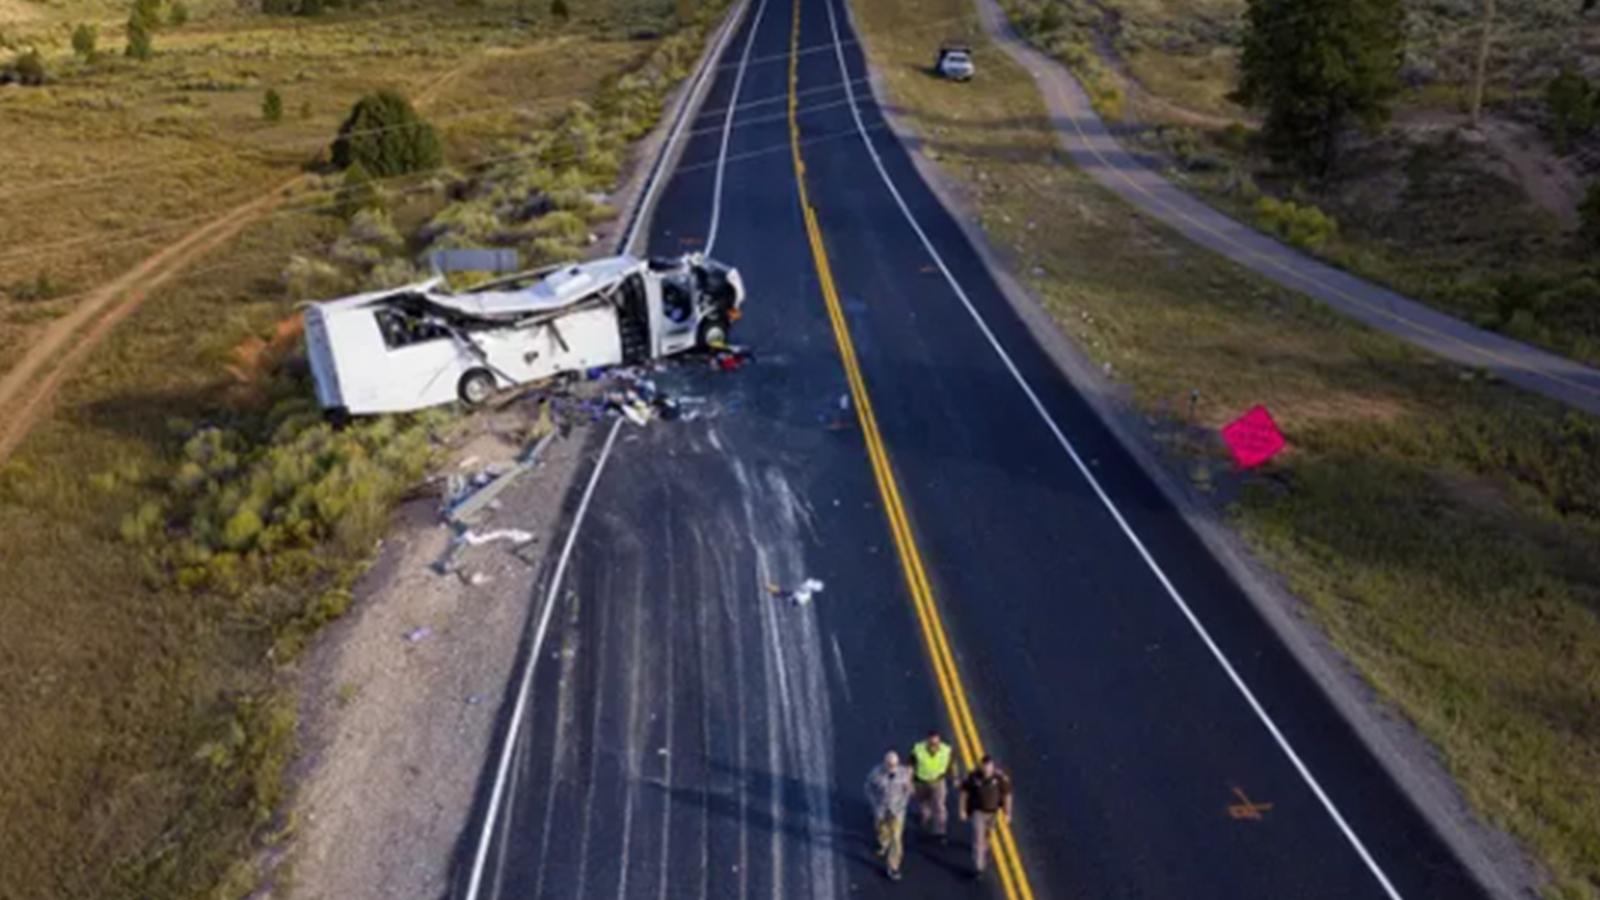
<point>421,345</point>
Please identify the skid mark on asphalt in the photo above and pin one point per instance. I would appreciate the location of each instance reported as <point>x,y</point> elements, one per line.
<point>776,519</point>
<point>561,756</point>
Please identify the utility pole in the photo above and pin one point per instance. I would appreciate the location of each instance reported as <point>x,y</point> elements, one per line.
<point>1480,72</point>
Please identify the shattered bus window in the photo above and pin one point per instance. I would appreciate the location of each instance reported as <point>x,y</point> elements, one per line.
<point>402,327</point>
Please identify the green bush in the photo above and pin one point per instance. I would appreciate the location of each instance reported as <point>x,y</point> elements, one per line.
<point>178,15</point>
<point>271,106</point>
<point>564,226</point>
<point>28,69</point>
<point>1304,225</point>
<point>140,46</point>
<point>147,13</point>
<point>240,504</point>
<point>305,278</point>
<point>84,39</point>
<point>1589,215</point>
<point>373,227</point>
<point>1051,18</point>
<point>558,9</point>
<point>384,134</point>
<point>1570,100</point>
<point>358,190</point>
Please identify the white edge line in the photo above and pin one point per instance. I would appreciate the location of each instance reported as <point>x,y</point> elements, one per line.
<point>514,728</point>
<point>1105,499</point>
<point>727,126</point>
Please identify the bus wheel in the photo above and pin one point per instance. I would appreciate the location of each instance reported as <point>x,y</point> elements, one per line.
<point>713,334</point>
<point>475,387</point>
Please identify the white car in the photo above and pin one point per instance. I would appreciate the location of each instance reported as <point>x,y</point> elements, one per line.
<point>955,62</point>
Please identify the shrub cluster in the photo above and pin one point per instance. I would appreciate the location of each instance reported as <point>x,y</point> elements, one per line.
<point>1302,225</point>
<point>237,510</point>
<point>546,201</point>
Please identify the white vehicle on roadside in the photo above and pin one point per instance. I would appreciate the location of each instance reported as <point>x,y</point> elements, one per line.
<point>955,62</point>
<point>422,345</point>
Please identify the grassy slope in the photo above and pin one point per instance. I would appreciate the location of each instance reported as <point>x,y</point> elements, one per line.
<point>144,743</point>
<point>1440,219</point>
<point>1439,527</point>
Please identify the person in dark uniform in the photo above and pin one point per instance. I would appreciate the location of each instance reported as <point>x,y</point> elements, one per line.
<point>986,800</point>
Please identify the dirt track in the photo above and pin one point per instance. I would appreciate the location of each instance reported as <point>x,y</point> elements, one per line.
<point>57,352</point>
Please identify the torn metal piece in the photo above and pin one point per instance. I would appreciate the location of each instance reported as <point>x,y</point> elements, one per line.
<point>463,509</point>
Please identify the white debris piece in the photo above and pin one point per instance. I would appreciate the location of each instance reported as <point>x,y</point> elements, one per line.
<point>803,594</point>
<point>514,535</point>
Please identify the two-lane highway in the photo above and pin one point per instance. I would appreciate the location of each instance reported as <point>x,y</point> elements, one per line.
<point>994,564</point>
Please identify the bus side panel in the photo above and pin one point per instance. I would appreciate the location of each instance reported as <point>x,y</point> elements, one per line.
<point>587,338</point>
<point>377,379</point>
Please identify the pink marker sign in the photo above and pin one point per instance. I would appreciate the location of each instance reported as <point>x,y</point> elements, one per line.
<point>1253,437</point>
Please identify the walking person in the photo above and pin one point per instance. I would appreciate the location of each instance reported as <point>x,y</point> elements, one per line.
<point>930,762</point>
<point>986,797</point>
<point>889,792</point>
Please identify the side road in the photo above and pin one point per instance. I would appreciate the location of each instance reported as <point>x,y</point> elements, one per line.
<point>1093,148</point>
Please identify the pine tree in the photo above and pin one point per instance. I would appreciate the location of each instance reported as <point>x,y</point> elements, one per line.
<point>84,39</point>
<point>387,137</point>
<point>1314,66</point>
<point>271,106</point>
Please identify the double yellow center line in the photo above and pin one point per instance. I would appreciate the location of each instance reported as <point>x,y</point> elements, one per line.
<point>1008,860</point>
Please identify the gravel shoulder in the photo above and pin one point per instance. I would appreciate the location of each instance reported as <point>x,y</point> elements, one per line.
<point>402,696</point>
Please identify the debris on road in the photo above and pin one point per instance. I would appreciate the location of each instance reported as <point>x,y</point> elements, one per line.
<point>801,595</point>
<point>417,635</point>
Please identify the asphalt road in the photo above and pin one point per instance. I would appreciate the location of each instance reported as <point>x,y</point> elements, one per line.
<point>1092,146</point>
<point>690,735</point>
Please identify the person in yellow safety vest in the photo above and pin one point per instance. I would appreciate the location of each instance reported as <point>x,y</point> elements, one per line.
<point>931,777</point>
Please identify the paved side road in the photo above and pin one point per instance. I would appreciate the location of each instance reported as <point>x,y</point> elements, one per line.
<point>1093,147</point>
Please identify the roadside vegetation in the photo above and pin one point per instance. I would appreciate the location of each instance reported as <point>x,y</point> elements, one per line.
<point>184,521</point>
<point>1441,527</point>
<point>1475,207</point>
